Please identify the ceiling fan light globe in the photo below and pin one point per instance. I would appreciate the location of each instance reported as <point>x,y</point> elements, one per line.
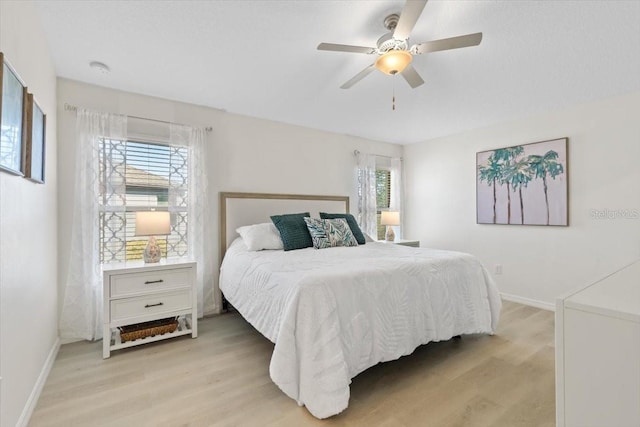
<point>393,61</point>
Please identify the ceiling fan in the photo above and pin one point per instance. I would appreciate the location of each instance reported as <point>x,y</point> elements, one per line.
<point>394,53</point>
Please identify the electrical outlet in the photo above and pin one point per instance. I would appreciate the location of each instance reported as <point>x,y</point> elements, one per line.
<point>498,269</point>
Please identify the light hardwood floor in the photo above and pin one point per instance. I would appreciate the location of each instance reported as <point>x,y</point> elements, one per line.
<point>222,378</point>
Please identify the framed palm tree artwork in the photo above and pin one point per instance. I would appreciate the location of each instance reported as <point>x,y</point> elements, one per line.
<point>524,184</point>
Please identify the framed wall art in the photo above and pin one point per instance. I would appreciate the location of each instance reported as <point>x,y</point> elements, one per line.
<point>12,106</point>
<point>524,184</point>
<point>34,141</point>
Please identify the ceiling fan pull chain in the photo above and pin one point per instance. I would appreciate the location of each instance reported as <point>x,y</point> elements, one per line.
<point>393,94</point>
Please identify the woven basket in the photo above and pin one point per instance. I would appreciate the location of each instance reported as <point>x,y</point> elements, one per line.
<point>148,329</point>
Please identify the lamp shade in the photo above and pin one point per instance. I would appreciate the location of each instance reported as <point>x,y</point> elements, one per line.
<point>390,218</point>
<point>151,223</point>
<point>394,61</point>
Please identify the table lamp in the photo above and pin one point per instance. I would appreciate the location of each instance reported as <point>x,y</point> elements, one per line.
<point>152,223</point>
<point>390,218</point>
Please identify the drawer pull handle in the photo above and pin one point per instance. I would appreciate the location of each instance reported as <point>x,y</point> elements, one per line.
<point>148,282</point>
<point>153,305</point>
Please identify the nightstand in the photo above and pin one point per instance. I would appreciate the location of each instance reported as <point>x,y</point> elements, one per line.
<point>402,242</point>
<point>136,292</point>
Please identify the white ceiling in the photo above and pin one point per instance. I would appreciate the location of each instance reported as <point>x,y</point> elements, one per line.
<point>259,58</point>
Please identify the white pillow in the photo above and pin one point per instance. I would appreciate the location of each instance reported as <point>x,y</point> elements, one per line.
<point>260,236</point>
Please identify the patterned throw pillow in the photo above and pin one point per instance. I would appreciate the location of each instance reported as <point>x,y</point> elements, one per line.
<point>339,232</point>
<point>318,233</point>
<point>353,224</point>
<point>328,233</point>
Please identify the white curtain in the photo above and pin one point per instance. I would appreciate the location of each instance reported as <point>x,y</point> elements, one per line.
<point>81,316</point>
<point>397,193</point>
<point>199,234</point>
<point>367,207</point>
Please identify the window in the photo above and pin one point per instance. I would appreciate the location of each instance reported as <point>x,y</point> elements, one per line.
<point>140,176</point>
<point>383,197</point>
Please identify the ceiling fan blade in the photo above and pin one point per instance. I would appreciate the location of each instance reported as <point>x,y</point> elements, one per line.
<point>450,43</point>
<point>412,77</point>
<point>346,48</point>
<point>361,75</point>
<point>408,18</point>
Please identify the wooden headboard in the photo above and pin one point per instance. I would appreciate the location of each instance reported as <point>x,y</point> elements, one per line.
<point>238,209</point>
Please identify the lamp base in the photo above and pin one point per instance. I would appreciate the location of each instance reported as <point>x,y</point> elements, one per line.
<point>390,236</point>
<point>152,253</point>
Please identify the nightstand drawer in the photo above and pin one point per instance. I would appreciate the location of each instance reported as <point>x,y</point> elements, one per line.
<point>135,283</point>
<point>411,243</point>
<point>150,304</point>
<point>402,242</point>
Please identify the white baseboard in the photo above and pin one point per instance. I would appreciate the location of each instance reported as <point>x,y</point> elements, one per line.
<point>38,386</point>
<point>528,301</point>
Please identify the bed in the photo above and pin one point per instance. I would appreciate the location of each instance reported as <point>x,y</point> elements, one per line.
<point>332,313</point>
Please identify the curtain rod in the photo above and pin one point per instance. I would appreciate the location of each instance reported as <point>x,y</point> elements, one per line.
<point>356,152</point>
<point>69,107</point>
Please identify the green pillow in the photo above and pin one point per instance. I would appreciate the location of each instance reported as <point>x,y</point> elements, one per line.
<point>353,224</point>
<point>293,230</point>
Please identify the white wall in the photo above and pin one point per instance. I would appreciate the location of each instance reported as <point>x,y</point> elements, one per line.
<point>539,262</point>
<point>246,154</point>
<point>28,229</point>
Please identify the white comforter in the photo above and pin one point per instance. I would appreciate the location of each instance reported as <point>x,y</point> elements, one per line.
<point>333,313</point>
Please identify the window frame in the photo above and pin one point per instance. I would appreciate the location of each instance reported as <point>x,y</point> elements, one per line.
<point>131,246</point>
<point>381,229</point>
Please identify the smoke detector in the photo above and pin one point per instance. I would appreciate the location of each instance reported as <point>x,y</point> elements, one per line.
<point>100,66</point>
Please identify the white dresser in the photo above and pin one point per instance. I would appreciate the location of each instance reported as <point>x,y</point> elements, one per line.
<point>598,353</point>
<point>137,292</point>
